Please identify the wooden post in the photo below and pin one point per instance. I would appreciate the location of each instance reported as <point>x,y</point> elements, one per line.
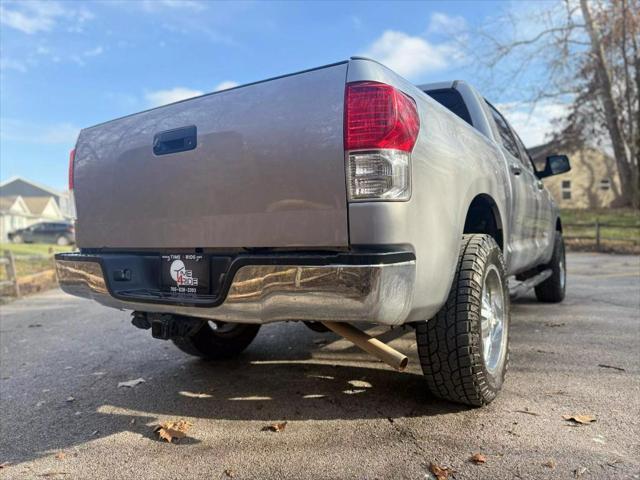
<point>11,271</point>
<point>597,235</point>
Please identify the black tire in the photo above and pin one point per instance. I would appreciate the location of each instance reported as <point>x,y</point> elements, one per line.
<point>228,342</point>
<point>450,345</point>
<point>552,290</point>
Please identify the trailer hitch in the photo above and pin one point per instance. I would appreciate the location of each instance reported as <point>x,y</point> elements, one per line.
<point>165,326</point>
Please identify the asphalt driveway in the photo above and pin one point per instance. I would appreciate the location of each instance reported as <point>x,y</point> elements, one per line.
<point>63,415</point>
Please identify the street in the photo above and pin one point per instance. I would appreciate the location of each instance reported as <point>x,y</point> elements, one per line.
<point>348,415</point>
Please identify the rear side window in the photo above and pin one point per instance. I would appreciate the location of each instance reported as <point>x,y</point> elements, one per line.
<point>508,140</point>
<point>451,99</point>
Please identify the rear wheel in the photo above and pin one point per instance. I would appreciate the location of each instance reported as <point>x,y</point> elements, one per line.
<point>63,241</point>
<point>217,340</point>
<point>552,290</point>
<point>464,349</point>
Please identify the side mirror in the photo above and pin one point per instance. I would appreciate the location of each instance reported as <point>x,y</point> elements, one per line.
<point>555,165</point>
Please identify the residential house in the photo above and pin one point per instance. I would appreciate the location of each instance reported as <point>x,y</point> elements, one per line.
<point>592,182</point>
<point>17,186</point>
<point>23,203</point>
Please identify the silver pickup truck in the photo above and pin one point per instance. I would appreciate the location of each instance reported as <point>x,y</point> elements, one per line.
<point>336,196</point>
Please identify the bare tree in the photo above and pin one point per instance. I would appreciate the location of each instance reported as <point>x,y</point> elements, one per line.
<point>584,54</point>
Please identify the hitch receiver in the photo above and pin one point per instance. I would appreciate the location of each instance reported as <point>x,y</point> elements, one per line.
<point>166,327</point>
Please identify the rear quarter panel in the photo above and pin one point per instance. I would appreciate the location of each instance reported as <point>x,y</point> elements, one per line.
<point>451,164</point>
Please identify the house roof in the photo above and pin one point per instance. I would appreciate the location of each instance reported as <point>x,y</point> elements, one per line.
<point>37,205</point>
<point>8,205</point>
<point>542,150</point>
<point>52,191</point>
<point>7,202</point>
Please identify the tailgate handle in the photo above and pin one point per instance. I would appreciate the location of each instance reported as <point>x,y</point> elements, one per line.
<point>176,140</point>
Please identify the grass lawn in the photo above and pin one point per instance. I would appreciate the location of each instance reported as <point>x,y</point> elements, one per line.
<point>612,234</point>
<point>27,266</point>
<point>33,248</point>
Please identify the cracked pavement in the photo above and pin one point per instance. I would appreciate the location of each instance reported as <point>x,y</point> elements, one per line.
<point>348,415</point>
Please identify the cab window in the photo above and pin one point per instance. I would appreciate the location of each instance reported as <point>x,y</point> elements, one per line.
<point>506,136</point>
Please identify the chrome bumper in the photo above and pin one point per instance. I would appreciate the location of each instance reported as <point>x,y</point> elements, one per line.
<point>269,293</point>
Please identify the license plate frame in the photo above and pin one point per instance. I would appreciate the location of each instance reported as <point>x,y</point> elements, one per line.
<point>185,274</point>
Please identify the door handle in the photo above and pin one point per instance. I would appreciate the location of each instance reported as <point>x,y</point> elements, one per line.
<point>516,169</point>
<point>174,141</point>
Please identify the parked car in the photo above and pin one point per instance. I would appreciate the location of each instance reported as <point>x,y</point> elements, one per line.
<point>60,233</point>
<point>343,195</point>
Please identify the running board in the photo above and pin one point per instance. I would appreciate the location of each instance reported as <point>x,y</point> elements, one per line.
<point>523,287</point>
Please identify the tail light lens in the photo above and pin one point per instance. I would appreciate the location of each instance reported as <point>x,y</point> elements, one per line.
<point>381,128</point>
<point>379,116</point>
<point>72,157</point>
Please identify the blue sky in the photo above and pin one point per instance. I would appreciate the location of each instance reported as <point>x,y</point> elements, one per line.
<point>68,65</point>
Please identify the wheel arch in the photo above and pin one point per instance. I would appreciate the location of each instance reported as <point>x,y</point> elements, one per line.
<point>483,216</point>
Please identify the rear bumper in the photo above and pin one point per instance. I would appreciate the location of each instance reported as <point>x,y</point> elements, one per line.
<point>373,287</point>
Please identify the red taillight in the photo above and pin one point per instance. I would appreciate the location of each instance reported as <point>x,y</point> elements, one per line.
<point>72,157</point>
<point>379,116</point>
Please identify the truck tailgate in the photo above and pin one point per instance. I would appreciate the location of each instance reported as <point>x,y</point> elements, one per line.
<point>267,171</point>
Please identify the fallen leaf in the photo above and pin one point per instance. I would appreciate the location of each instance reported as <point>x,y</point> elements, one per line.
<point>578,472</point>
<point>95,432</point>
<point>229,473</point>
<point>170,430</point>
<point>131,383</point>
<point>194,395</point>
<point>549,464</point>
<point>276,427</point>
<point>60,455</point>
<point>360,384</point>
<point>583,419</point>
<point>132,422</point>
<point>620,369</point>
<point>4,464</point>
<point>478,458</point>
<point>441,473</point>
<point>70,399</point>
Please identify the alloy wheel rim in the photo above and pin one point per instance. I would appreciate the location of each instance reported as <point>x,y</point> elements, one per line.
<point>563,273</point>
<point>493,326</point>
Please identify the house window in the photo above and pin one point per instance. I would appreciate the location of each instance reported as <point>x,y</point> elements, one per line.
<point>605,184</point>
<point>566,190</point>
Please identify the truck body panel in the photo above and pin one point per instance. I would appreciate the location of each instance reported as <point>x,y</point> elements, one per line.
<point>267,171</point>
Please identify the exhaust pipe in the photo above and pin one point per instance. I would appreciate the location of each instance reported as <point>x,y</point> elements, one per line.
<point>375,347</point>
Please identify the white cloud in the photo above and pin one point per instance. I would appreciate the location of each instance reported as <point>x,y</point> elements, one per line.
<point>441,23</point>
<point>533,126</point>
<point>94,52</point>
<point>225,85</point>
<point>155,5</point>
<point>20,131</point>
<point>42,16</point>
<point>162,97</point>
<point>11,64</point>
<point>411,56</point>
